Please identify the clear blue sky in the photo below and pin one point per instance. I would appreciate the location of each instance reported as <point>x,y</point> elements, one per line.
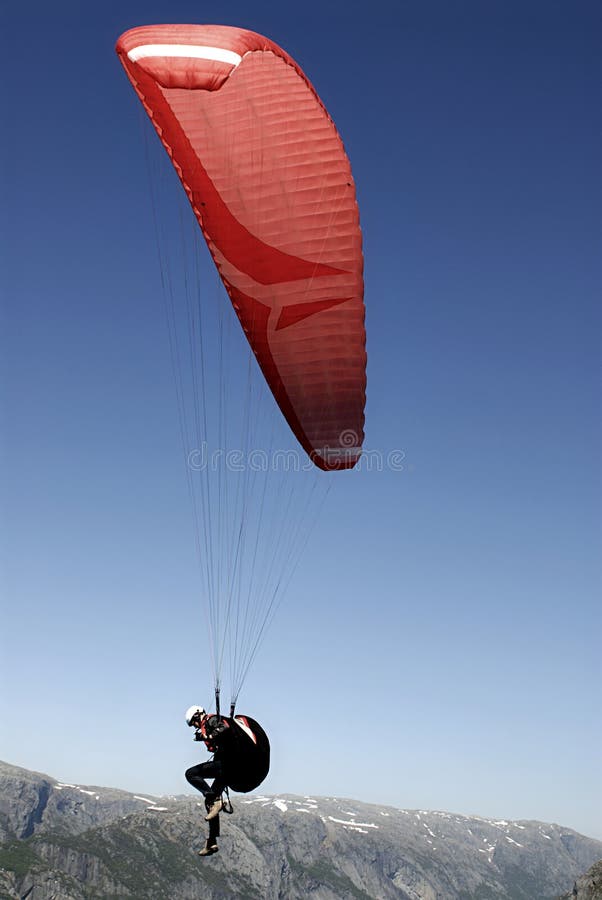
<point>439,647</point>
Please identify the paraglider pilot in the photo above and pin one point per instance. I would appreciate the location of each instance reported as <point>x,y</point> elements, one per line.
<point>213,730</point>
<point>241,761</point>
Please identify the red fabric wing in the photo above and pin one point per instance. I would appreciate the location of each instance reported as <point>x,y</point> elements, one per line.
<point>270,184</point>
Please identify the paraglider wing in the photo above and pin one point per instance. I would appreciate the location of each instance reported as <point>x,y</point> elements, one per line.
<point>271,186</point>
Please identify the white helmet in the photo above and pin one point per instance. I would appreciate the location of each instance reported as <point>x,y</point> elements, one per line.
<point>194,713</point>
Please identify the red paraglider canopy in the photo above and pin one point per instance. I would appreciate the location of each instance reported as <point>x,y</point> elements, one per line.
<point>271,186</point>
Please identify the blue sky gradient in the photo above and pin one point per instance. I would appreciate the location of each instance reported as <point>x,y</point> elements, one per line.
<point>440,644</point>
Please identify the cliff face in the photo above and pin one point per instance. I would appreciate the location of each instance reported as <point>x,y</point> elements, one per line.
<point>67,841</point>
<point>588,886</point>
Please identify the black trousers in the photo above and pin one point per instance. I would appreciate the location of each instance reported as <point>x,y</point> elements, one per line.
<point>196,777</point>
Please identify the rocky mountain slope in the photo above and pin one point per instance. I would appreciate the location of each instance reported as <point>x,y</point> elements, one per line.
<point>588,887</point>
<point>66,842</point>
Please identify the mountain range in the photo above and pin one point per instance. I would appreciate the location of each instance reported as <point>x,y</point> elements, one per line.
<point>67,841</point>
